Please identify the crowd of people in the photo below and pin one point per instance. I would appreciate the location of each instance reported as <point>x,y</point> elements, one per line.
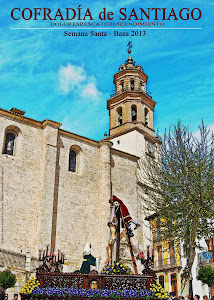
<point>4,296</point>
<point>196,297</point>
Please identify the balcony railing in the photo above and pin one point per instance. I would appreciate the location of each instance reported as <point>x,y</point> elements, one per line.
<point>166,263</point>
<point>130,90</point>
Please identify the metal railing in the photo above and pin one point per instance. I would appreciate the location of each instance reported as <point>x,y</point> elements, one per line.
<point>166,262</point>
<point>130,90</point>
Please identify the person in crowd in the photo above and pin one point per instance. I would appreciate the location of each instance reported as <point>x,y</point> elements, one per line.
<point>2,293</point>
<point>15,297</point>
<point>205,297</point>
<point>196,297</point>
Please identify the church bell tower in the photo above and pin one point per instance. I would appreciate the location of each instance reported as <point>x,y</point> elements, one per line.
<point>131,110</point>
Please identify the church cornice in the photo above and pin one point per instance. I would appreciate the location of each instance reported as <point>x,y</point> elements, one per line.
<point>130,71</point>
<point>79,137</point>
<point>124,154</point>
<point>146,134</point>
<point>25,120</point>
<point>122,97</point>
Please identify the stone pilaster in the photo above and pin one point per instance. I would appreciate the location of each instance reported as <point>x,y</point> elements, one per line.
<point>103,207</point>
<point>49,160</point>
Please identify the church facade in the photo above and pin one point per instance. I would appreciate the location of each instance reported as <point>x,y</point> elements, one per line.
<point>56,185</point>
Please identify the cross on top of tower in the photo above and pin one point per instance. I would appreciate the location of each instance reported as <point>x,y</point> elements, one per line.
<point>129,62</point>
<point>130,46</point>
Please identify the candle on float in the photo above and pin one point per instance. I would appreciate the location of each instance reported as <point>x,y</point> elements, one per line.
<point>43,253</point>
<point>55,257</point>
<point>63,259</point>
<point>142,255</point>
<point>40,254</point>
<point>147,251</point>
<point>58,255</point>
<point>153,252</point>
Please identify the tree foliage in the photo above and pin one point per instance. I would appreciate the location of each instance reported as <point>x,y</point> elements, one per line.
<point>7,279</point>
<point>178,185</point>
<point>206,275</point>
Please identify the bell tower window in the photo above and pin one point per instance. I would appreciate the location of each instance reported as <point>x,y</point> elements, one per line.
<point>9,144</point>
<point>119,116</point>
<point>134,113</point>
<point>121,87</point>
<point>132,85</point>
<point>146,116</point>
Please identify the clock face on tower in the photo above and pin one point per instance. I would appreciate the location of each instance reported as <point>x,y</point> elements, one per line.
<point>150,147</point>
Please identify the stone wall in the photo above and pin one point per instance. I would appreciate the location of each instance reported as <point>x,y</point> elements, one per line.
<point>21,180</point>
<point>131,142</point>
<point>44,203</point>
<point>83,208</point>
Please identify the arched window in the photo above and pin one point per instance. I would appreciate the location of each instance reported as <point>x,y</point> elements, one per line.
<point>76,163</point>
<point>72,161</point>
<point>119,116</point>
<point>9,143</point>
<point>132,85</point>
<point>10,140</point>
<point>134,113</point>
<point>146,116</point>
<point>121,87</point>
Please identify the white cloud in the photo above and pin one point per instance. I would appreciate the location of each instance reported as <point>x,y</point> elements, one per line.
<point>91,90</point>
<point>75,79</point>
<point>80,91</point>
<point>211,127</point>
<point>197,134</point>
<point>70,77</point>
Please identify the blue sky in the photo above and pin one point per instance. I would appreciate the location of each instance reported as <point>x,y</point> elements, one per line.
<point>69,79</point>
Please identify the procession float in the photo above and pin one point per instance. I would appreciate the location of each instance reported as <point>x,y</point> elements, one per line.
<point>114,281</point>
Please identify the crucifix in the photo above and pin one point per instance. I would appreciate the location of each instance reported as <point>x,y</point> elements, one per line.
<point>123,217</point>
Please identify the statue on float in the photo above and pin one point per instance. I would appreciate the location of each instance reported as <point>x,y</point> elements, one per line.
<point>88,260</point>
<point>117,203</point>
